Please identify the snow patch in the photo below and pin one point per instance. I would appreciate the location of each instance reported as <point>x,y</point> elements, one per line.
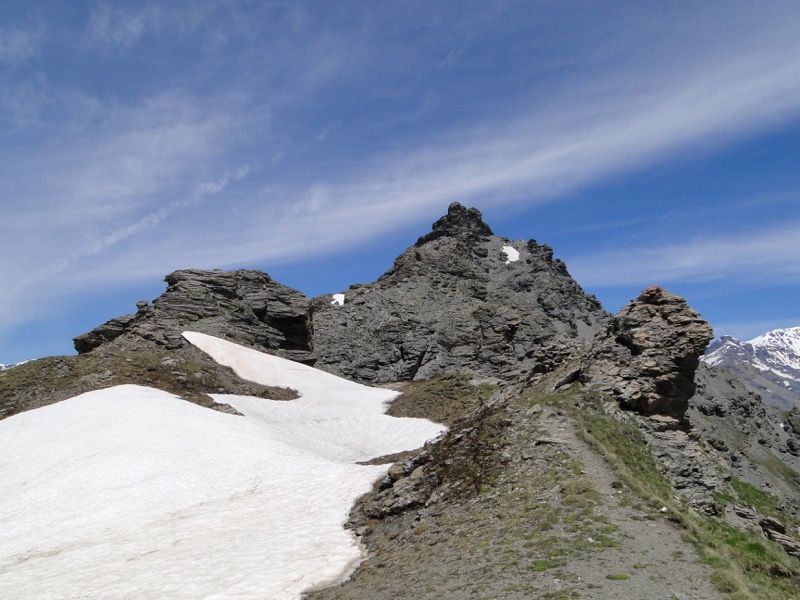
<point>512,254</point>
<point>338,300</point>
<point>130,492</point>
<point>782,346</point>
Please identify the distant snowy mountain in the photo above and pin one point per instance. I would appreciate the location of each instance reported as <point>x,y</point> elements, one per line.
<point>769,364</point>
<point>6,367</point>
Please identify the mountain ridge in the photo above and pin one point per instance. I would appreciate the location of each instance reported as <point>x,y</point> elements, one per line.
<point>769,364</point>
<point>680,441</point>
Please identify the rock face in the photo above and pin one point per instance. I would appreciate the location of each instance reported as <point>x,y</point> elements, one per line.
<point>747,433</point>
<point>647,355</point>
<point>460,299</point>
<point>247,307</point>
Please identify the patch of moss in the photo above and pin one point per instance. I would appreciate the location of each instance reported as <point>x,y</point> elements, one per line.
<point>544,564</point>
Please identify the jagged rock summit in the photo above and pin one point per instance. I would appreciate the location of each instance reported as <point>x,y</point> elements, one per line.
<point>459,222</point>
<point>647,355</point>
<point>460,299</point>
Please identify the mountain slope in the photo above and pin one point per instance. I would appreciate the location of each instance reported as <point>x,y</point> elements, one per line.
<point>769,364</point>
<point>517,502</point>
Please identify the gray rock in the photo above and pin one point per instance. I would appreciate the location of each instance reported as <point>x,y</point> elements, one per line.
<point>246,307</point>
<point>746,432</point>
<point>454,302</point>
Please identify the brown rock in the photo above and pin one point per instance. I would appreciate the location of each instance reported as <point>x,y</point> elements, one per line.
<point>647,354</point>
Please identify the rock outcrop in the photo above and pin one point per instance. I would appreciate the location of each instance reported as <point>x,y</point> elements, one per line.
<point>246,307</point>
<point>460,299</point>
<point>647,355</point>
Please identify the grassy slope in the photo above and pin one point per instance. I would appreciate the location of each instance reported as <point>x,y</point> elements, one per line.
<point>187,373</point>
<point>514,514</point>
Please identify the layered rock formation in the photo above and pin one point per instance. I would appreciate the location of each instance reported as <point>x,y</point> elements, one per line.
<point>647,355</point>
<point>460,299</point>
<point>247,307</point>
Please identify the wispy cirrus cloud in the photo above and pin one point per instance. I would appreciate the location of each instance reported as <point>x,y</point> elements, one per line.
<point>528,159</point>
<point>770,256</point>
<point>109,239</point>
<point>17,44</point>
<point>122,28</point>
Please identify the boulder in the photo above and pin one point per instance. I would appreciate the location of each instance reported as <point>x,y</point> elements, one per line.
<point>646,355</point>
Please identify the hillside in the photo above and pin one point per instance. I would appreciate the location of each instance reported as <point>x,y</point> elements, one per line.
<point>588,455</point>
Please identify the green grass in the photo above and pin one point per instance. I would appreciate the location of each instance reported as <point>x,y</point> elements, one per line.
<point>544,564</point>
<point>763,502</point>
<point>624,447</point>
<point>443,399</point>
<point>746,565</point>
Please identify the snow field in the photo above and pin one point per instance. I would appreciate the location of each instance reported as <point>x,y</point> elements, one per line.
<point>130,492</point>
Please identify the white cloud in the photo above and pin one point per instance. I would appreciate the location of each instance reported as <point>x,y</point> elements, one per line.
<point>117,28</point>
<point>112,238</point>
<point>531,159</point>
<point>766,257</point>
<point>17,45</point>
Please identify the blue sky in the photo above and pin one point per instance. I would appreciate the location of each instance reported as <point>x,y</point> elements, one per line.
<point>646,142</point>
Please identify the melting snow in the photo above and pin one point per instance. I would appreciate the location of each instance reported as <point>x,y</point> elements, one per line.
<point>130,492</point>
<point>338,299</point>
<point>512,254</point>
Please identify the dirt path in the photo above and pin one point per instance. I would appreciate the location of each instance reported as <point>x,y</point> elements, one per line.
<point>658,563</point>
<point>555,524</point>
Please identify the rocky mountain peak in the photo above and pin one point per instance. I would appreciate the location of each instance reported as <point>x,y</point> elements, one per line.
<point>647,354</point>
<point>459,222</point>
<point>460,299</point>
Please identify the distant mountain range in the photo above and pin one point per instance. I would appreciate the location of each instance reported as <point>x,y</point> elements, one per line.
<point>769,364</point>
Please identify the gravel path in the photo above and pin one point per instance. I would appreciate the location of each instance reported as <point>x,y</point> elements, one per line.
<point>555,524</point>
<point>659,564</point>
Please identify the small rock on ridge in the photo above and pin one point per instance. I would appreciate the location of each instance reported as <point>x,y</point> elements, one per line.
<point>647,354</point>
